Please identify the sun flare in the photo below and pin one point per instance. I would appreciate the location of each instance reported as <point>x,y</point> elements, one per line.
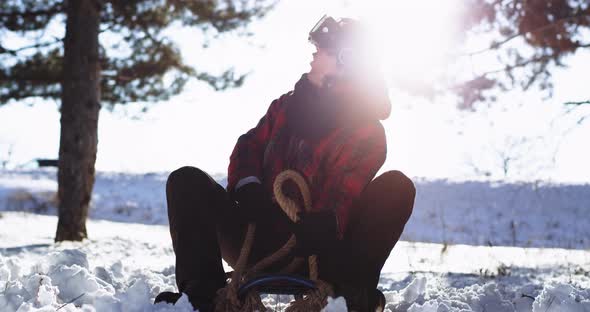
<point>411,38</point>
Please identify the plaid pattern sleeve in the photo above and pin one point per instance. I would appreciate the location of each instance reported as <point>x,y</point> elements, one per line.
<point>247,157</point>
<point>351,170</point>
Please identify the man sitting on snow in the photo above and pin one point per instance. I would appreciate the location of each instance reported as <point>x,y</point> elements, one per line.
<point>328,129</point>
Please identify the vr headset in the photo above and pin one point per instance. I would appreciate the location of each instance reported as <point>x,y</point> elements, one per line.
<point>334,35</point>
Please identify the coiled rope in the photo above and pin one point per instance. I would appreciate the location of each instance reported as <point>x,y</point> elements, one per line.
<point>227,297</point>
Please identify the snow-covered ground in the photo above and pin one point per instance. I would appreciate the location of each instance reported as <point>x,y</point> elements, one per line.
<point>469,246</point>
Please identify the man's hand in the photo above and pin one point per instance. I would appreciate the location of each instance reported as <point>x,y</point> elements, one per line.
<point>315,232</point>
<point>253,202</point>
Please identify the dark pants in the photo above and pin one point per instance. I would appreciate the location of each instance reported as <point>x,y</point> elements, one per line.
<point>204,228</point>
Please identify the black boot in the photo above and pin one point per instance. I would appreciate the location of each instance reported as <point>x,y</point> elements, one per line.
<point>168,297</point>
<point>201,297</point>
<point>362,299</point>
<point>379,301</point>
<point>172,297</point>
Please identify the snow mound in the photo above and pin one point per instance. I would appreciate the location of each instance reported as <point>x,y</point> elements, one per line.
<point>437,297</point>
<point>63,280</point>
<point>562,297</point>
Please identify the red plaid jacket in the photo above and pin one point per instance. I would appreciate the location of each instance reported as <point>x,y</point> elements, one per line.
<point>337,166</point>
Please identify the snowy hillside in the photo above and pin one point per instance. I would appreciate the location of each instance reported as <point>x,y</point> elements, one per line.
<point>470,246</point>
<point>474,213</point>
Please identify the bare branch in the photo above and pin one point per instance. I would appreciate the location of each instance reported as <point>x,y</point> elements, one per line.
<point>518,65</point>
<point>577,103</point>
<point>493,46</point>
<point>108,28</point>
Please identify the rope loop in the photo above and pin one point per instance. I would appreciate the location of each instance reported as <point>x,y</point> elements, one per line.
<point>227,297</point>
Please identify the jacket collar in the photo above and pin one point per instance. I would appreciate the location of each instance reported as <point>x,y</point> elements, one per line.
<point>313,112</point>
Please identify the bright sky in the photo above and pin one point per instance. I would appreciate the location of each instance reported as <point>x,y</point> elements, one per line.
<point>434,140</point>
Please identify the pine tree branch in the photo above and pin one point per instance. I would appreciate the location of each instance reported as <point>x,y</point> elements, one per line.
<point>26,14</point>
<point>555,23</point>
<point>30,79</point>
<point>17,96</point>
<point>14,52</point>
<point>15,14</point>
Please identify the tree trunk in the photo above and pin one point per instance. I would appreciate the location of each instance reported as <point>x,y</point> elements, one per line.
<point>79,118</point>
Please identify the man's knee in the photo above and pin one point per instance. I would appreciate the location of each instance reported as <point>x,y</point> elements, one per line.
<point>400,189</point>
<point>188,176</point>
<point>400,182</point>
